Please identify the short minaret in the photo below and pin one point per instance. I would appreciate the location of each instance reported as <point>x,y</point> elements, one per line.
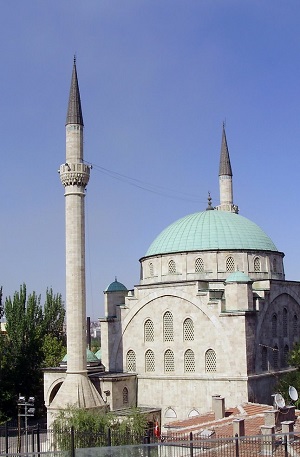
<point>74,174</point>
<point>225,178</point>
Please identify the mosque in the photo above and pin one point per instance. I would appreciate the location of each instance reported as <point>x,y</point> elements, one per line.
<point>212,315</point>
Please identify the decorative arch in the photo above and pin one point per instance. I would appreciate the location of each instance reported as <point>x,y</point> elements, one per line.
<point>199,265</point>
<point>257,264</point>
<point>170,413</point>
<point>189,361</point>
<point>193,413</point>
<point>172,267</point>
<point>188,329</point>
<point>130,361</point>
<point>210,361</point>
<point>149,361</point>
<point>168,331</point>
<point>169,362</point>
<point>125,396</point>
<point>230,266</point>
<point>148,330</point>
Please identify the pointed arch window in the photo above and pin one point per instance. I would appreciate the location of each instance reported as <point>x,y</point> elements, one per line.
<point>189,361</point>
<point>275,356</point>
<point>149,361</point>
<point>230,267</point>
<point>274,325</point>
<point>148,330</point>
<point>295,325</point>
<point>188,330</point>
<point>264,358</point>
<point>151,269</point>
<point>172,267</point>
<point>169,361</point>
<point>168,326</point>
<point>199,265</point>
<point>275,265</point>
<point>210,361</point>
<point>131,360</point>
<point>285,322</point>
<point>257,264</point>
<point>125,396</point>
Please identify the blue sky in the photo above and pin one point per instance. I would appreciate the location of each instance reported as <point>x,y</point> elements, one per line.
<point>157,79</point>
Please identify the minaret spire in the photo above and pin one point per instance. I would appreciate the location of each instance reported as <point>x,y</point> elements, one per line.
<point>74,113</point>
<point>225,178</point>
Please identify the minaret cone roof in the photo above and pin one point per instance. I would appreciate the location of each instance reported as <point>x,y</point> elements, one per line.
<point>74,114</point>
<point>225,166</point>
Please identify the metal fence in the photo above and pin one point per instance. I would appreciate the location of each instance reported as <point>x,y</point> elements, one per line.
<point>113,443</point>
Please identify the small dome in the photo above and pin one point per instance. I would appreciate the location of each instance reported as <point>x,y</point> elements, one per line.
<point>211,230</point>
<point>238,276</point>
<point>90,357</point>
<point>115,286</point>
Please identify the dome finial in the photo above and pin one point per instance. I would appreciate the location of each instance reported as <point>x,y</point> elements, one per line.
<point>209,207</point>
<point>116,280</point>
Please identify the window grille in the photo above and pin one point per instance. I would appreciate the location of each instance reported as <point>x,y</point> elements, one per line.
<point>189,361</point>
<point>172,267</point>
<point>210,361</point>
<point>286,351</point>
<point>131,361</point>
<point>295,325</point>
<point>169,361</point>
<point>285,322</point>
<point>274,325</point>
<point>149,361</point>
<point>264,358</point>
<point>148,330</point>
<point>125,395</point>
<point>230,264</point>
<point>188,330</point>
<point>168,326</point>
<point>275,265</point>
<point>257,267</point>
<point>151,269</point>
<point>199,266</point>
<point>275,356</point>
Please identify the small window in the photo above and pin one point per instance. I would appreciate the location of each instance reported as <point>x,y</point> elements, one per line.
<point>264,358</point>
<point>275,265</point>
<point>257,266</point>
<point>168,326</point>
<point>169,361</point>
<point>148,330</point>
<point>295,325</point>
<point>210,361</point>
<point>285,322</point>
<point>131,361</point>
<point>172,267</point>
<point>149,361</point>
<point>275,356</point>
<point>274,325</point>
<point>125,396</point>
<point>151,269</point>
<point>189,361</point>
<point>199,266</point>
<point>230,264</point>
<point>188,330</point>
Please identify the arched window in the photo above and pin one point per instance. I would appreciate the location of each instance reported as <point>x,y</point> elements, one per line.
<point>295,325</point>
<point>149,361</point>
<point>275,356</point>
<point>170,413</point>
<point>274,325</point>
<point>151,269</point>
<point>229,264</point>
<point>199,265</point>
<point>210,361</point>
<point>285,322</point>
<point>189,361</point>
<point>169,361</point>
<point>130,360</point>
<point>275,265</point>
<point>286,351</point>
<point>264,358</point>
<point>172,267</point>
<point>188,330</point>
<point>148,330</point>
<point>125,395</point>
<point>257,266</point>
<point>168,326</point>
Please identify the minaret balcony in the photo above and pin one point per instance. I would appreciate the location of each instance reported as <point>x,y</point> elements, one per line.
<point>74,174</point>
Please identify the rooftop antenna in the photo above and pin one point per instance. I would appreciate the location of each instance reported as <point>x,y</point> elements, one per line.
<point>279,402</point>
<point>293,393</point>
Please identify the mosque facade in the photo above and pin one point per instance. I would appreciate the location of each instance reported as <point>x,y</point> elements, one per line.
<point>212,315</point>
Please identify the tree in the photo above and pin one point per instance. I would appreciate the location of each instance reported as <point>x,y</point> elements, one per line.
<point>33,335</point>
<point>292,378</point>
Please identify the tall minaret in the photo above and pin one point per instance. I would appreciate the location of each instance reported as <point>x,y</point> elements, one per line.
<point>225,178</point>
<point>74,174</point>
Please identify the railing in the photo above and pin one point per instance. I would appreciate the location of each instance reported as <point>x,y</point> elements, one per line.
<point>115,443</point>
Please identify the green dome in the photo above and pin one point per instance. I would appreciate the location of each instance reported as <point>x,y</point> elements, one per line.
<point>90,357</point>
<point>238,276</point>
<point>115,286</point>
<point>211,230</point>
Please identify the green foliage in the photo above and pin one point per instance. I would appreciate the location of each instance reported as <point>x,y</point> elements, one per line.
<point>292,378</point>
<point>93,428</point>
<point>34,337</point>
